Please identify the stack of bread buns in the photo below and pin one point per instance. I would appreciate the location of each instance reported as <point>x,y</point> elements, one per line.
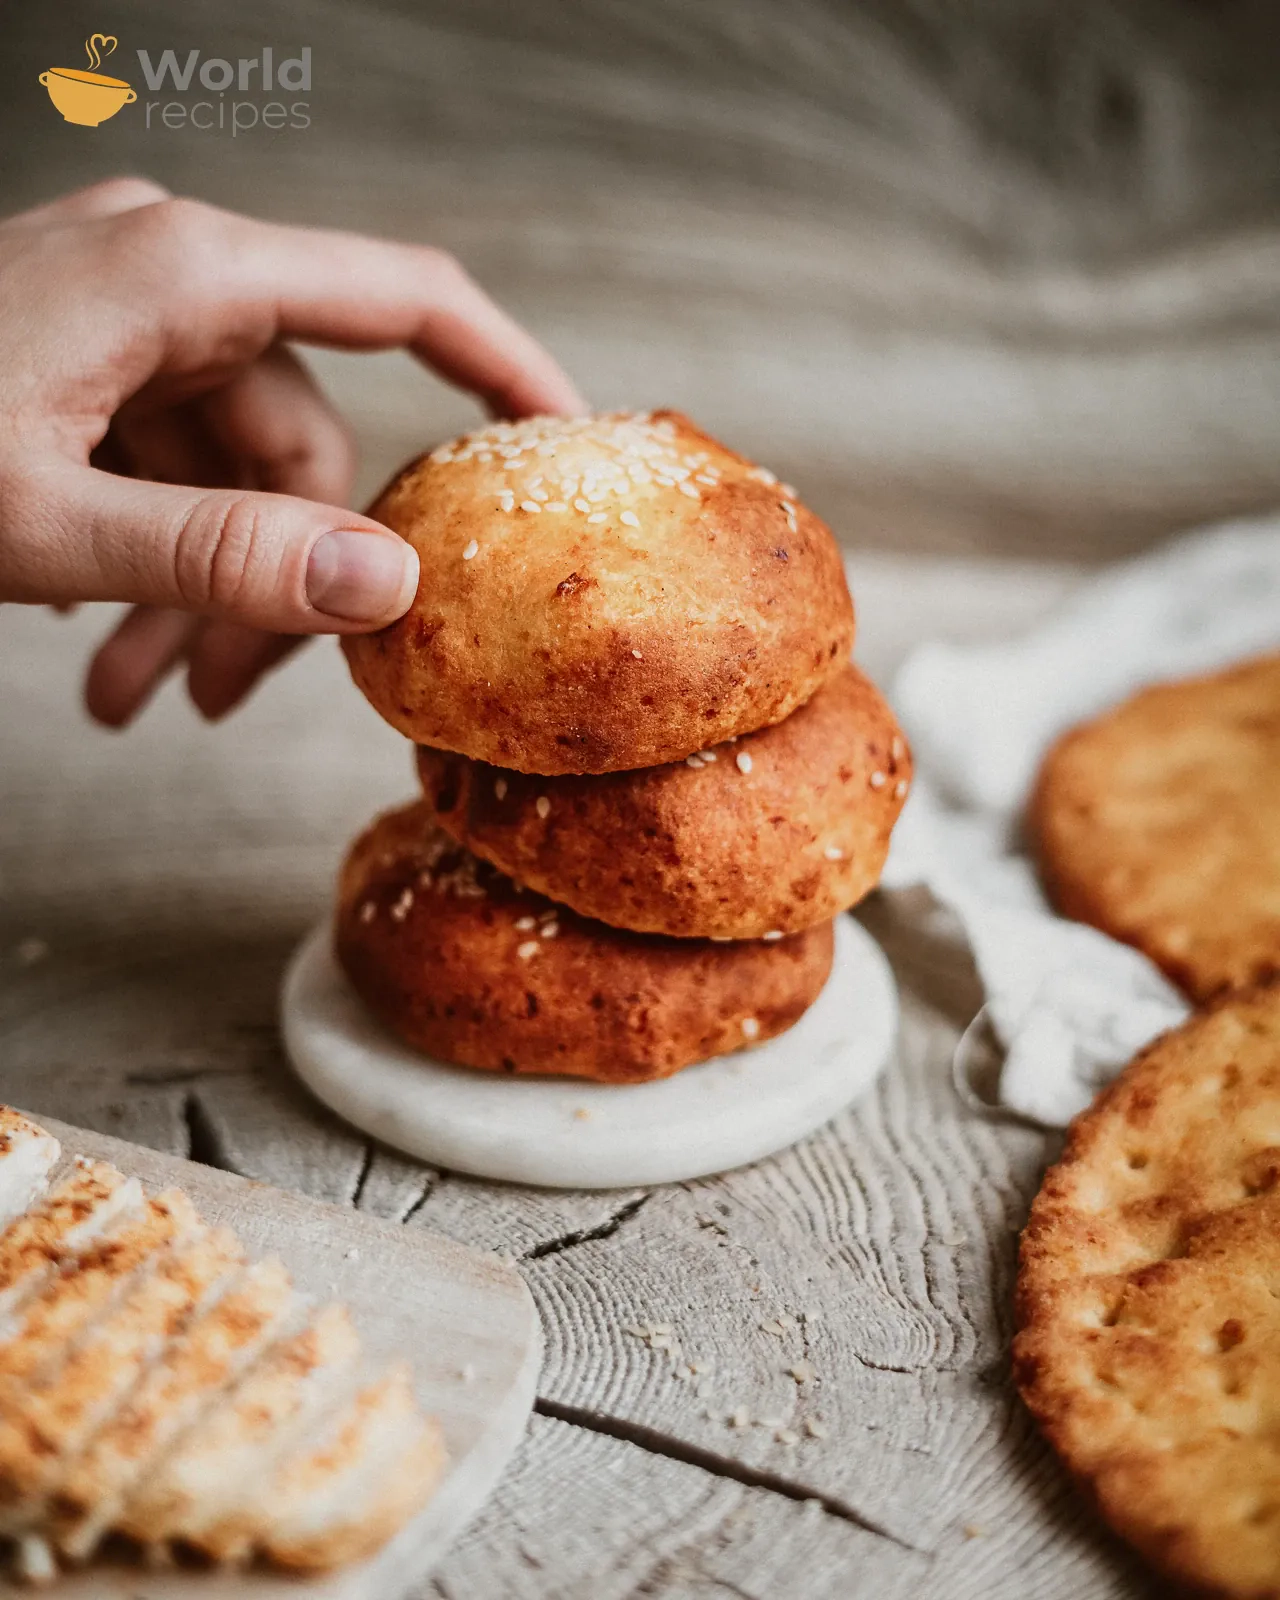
<point>651,777</point>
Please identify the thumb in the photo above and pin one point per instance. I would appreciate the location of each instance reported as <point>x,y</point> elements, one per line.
<point>273,561</point>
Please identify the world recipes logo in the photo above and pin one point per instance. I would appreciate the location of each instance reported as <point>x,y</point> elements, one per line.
<point>88,98</point>
<point>209,94</point>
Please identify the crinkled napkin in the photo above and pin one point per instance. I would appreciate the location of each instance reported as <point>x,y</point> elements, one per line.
<point>1068,1005</point>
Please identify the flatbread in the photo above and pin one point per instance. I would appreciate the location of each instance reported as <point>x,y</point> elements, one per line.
<point>1148,1300</point>
<point>1159,823</point>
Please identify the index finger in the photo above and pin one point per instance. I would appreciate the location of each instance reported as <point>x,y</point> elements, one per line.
<point>257,282</point>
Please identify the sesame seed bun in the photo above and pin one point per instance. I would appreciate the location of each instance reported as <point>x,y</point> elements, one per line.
<point>601,593</point>
<point>768,834</point>
<point>461,964</point>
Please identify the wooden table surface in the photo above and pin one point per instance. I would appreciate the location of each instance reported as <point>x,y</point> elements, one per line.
<point>152,885</point>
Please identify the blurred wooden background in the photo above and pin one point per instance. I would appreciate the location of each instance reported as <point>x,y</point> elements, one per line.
<point>999,276</point>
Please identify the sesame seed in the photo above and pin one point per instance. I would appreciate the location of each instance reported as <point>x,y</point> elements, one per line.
<point>637,655</point>
<point>630,518</point>
<point>581,1114</point>
<point>900,789</point>
<point>472,549</point>
<point>705,477</point>
<point>802,1372</point>
<point>524,924</point>
<point>877,780</point>
<point>500,788</point>
<point>527,950</point>
<point>741,1418</point>
<point>692,761</point>
<point>897,750</point>
<point>833,852</point>
<point>530,505</point>
<point>539,494</point>
<point>598,516</point>
<point>706,755</point>
<point>743,761</point>
<point>787,1436</point>
<point>688,490</point>
<point>750,1028</point>
<point>548,916</point>
<point>814,1428</point>
<point>556,505</point>
<point>773,933</point>
<point>368,911</point>
<point>542,806</point>
<point>582,505</point>
<point>550,930</point>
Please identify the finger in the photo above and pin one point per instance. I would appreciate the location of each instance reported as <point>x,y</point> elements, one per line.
<point>272,561</point>
<point>225,661</point>
<point>133,661</point>
<point>105,199</point>
<point>253,283</point>
<point>276,425</point>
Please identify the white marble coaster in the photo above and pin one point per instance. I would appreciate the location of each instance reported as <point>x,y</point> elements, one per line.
<point>573,1134</point>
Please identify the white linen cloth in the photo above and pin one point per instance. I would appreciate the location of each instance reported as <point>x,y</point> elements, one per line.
<point>1068,1005</point>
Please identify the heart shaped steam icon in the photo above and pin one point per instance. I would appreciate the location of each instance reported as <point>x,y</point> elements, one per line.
<point>88,98</point>
<point>98,45</point>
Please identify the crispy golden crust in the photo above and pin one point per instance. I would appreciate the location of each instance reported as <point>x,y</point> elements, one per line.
<point>546,641</point>
<point>1148,1300</point>
<point>459,963</point>
<point>701,849</point>
<point>1160,824</point>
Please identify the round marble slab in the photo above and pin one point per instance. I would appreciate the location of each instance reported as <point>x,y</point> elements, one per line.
<point>574,1134</point>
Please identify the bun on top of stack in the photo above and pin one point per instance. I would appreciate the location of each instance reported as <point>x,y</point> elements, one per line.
<point>601,593</point>
<point>627,673</point>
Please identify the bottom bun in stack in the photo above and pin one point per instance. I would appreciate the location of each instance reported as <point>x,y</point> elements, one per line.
<point>461,963</point>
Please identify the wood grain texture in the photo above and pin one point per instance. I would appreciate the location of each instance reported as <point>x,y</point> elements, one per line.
<point>168,872</point>
<point>968,274</point>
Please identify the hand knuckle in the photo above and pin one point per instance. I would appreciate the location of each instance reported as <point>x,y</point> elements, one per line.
<point>442,265</point>
<point>218,548</point>
<point>174,234</point>
<point>127,192</point>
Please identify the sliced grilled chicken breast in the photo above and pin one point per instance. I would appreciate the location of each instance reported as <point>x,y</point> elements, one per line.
<point>187,1380</point>
<point>153,1383</point>
<point>61,1412</point>
<point>27,1155</point>
<point>218,1467</point>
<point>343,1498</point>
<point>92,1198</point>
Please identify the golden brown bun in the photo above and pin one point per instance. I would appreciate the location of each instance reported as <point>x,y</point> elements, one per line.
<point>543,640</point>
<point>1160,824</point>
<point>1149,1300</point>
<point>457,961</point>
<point>700,849</point>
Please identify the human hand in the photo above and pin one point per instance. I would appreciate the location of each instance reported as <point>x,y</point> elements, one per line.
<point>162,445</point>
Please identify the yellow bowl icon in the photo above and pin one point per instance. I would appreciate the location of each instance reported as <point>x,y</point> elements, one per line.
<point>86,97</point>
